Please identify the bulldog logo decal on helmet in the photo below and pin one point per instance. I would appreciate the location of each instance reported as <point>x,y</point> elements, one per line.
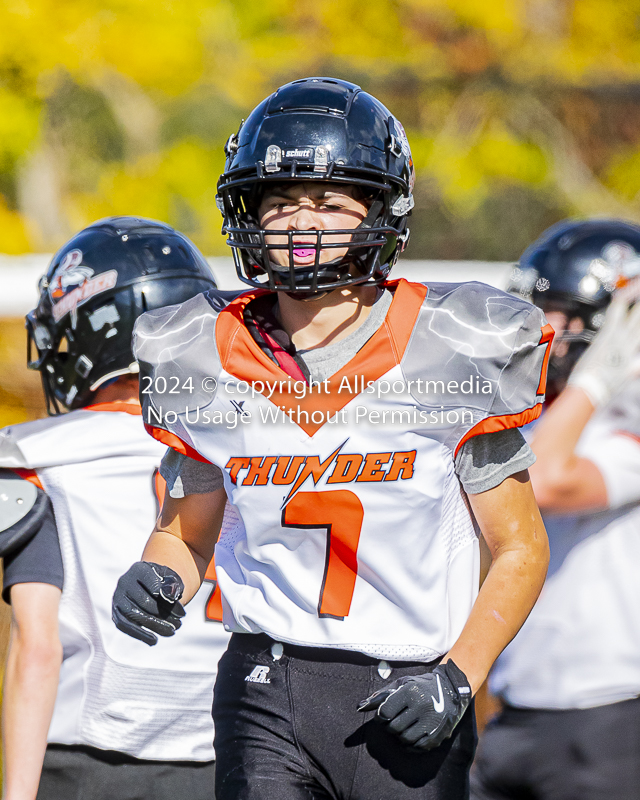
<point>72,284</point>
<point>69,273</point>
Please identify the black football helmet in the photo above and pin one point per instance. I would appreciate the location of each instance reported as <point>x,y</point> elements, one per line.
<point>320,130</point>
<point>574,267</point>
<point>95,288</point>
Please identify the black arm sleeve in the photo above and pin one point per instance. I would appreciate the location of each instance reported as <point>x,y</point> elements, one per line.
<point>37,561</point>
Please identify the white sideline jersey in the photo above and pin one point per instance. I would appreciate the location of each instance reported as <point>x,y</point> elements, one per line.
<point>115,693</point>
<point>355,532</point>
<point>580,646</point>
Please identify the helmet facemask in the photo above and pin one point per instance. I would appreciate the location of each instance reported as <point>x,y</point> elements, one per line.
<point>367,250</point>
<point>582,323</point>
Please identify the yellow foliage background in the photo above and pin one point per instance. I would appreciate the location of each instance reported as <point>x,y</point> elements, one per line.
<point>520,112</point>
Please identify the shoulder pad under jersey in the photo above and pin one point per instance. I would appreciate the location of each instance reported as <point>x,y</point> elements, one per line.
<point>178,356</point>
<point>480,350</point>
<point>22,506</point>
<point>73,438</point>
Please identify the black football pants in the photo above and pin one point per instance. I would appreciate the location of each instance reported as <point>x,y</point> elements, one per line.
<point>86,773</point>
<point>287,728</point>
<point>578,754</point>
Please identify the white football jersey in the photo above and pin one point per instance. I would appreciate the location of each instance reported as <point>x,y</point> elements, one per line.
<point>355,532</point>
<point>99,468</point>
<point>580,646</point>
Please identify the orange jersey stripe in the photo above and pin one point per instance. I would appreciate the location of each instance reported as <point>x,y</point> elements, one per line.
<point>129,407</point>
<point>171,440</point>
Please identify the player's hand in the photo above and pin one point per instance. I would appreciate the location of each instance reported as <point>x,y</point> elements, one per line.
<point>423,710</point>
<point>612,357</point>
<point>146,602</point>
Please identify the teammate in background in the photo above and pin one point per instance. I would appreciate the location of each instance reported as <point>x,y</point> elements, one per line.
<point>119,721</point>
<point>570,680</point>
<point>350,578</point>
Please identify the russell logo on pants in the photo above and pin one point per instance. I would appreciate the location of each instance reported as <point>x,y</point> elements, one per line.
<point>258,675</point>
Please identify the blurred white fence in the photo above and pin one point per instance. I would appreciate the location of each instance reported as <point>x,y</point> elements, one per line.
<point>19,275</point>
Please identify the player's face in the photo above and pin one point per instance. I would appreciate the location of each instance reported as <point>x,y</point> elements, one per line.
<point>309,207</point>
<point>561,323</point>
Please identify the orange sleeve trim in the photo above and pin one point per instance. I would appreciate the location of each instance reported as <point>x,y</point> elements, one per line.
<point>173,441</point>
<point>502,423</point>
<point>29,475</point>
<point>128,407</point>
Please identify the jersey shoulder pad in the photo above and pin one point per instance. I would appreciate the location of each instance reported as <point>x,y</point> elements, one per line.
<point>164,333</point>
<point>17,449</point>
<point>72,438</point>
<point>11,454</point>
<point>474,300</point>
<point>178,355</point>
<point>22,506</point>
<point>487,352</point>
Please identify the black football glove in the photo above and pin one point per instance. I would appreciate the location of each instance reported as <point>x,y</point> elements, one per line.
<point>423,710</point>
<point>145,602</point>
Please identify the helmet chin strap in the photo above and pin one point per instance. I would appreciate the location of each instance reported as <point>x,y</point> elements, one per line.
<point>372,216</point>
<point>307,297</point>
<point>339,265</point>
<point>132,369</point>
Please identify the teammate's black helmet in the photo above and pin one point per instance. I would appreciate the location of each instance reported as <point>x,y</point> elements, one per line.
<point>320,130</point>
<point>574,267</point>
<point>95,288</point>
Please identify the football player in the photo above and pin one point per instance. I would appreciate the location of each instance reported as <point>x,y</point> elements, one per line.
<point>79,491</point>
<point>570,680</point>
<point>360,426</point>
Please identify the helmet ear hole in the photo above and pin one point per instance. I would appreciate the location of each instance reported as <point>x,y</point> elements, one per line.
<point>389,248</point>
<point>63,345</point>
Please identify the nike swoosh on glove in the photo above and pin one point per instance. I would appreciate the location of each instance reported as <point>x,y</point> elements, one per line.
<point>424,709</point>
<point>145,602</point>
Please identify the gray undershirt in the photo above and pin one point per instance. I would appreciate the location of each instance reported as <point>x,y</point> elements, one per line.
<point>482,463</point>
<point>323,362</point>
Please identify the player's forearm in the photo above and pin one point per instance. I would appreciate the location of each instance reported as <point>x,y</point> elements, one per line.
<point>557,433</point>
<point>507,596</point>
<point>515,535</point>
<point>562,481</point>
<point>30,686</point>
<point>185,536</point>
<point>170,551</point>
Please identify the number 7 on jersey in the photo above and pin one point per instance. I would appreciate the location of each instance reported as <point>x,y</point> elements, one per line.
<point>340,513</point>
